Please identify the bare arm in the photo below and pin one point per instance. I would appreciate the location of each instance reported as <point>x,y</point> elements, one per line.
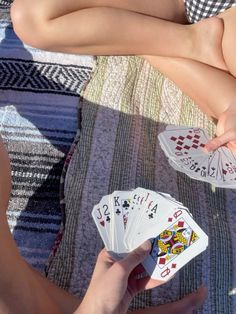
<point>21,291</point>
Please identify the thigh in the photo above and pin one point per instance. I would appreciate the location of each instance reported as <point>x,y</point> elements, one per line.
<point>229,39</point>
<point>172,10</point>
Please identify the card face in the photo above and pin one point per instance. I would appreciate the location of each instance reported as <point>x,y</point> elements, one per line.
<point>215,173</point>
<point>138,198</point>
<point>189,142</point>
<point>101,215</point>
<point>153,219</point>
<point>120,202</point>
<point>194,166</point>
<point>174,247</point>
<point>228,165</point>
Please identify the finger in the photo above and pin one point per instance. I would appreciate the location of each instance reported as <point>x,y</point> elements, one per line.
<point>104,262</point>
<point>135,257</point>
<point>221,140</point>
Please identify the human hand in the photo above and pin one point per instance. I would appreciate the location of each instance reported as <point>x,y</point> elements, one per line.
<point>114,284</point>
<point>226,131</point>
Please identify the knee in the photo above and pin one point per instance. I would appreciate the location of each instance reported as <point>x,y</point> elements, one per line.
<point>28,24</point>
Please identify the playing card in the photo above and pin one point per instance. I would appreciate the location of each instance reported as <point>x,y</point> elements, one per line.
<point>228,166</point>
<point>183,142</point>
<point>138,199</point>
<point>120,202</point>
<point>174,247</point>
<point>193,166</point>
<point>153,219</point>
<point>102,217</point>
<point>215,172</point>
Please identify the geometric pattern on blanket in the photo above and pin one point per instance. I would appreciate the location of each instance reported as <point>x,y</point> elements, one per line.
<point>26,75</point>
<point>5,4</point>
<point>39,92</point>
<point>124,107</point>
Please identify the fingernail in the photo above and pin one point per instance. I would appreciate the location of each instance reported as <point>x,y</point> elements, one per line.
<point>146,246</point>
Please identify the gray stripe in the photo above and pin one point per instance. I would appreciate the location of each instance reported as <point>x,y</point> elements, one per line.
<point>97,177</point>
<point>75,180</point>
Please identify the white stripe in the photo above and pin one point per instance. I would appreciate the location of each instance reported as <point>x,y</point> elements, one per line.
<point>33,175</point>
<point>35,225</point>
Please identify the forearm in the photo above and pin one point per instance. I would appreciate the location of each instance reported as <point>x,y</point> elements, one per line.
<point>64,300</point>
<point>20,291</point>
<point>212,89</point>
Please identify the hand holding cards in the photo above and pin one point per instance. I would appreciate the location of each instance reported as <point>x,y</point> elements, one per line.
<point>125,219</point>
<point>184,148</point>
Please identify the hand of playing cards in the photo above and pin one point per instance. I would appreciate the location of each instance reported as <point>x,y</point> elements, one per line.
<point>125,219</point>
<point>184,148</point>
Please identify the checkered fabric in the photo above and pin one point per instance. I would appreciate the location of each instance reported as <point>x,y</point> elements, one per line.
<point>197,10</point>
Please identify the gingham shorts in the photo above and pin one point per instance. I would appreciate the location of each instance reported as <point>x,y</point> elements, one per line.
<point>197,10</point>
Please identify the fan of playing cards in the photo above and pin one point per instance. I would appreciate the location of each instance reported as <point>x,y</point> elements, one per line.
<point>184,148</point>
<point>125,219</point>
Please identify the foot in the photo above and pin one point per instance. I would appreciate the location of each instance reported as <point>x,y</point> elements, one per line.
<point>188,305</point>
<point>207,42</point>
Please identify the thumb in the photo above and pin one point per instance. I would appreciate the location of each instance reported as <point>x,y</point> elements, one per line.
<point>136,257</point>
<point>221,140</point>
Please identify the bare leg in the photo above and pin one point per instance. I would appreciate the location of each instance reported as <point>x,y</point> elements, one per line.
<point>106,27</point>
<point>228,41</point>
<point>212,89</point>
<point>188,305</point>
<point>22,289</point>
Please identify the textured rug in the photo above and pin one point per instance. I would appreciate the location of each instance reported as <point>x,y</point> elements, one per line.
<point>39,92</point>
<point>124,107</point>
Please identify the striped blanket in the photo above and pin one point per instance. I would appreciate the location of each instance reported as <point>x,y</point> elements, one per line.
<point>39,92</point>
<point>124,107</point>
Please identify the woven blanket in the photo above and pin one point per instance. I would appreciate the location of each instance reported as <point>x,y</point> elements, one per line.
<point>124,107</point>
<point>39,93</point>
